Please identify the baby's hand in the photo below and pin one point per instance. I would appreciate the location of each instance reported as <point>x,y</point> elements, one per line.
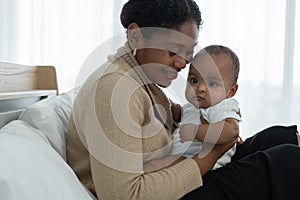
<point>187,132</point>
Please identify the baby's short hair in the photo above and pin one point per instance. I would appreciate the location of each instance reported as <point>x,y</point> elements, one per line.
<point>217,50</point>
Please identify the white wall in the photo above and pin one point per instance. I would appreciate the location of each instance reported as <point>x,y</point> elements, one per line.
<point>63,33</point>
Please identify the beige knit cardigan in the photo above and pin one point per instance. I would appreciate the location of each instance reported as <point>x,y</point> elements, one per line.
<point>120,120</point>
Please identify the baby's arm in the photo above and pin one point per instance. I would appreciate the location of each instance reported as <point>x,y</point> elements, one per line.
<point>223,127</point>
<point>221,132</point>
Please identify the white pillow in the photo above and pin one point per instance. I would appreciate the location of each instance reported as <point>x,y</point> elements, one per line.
<point>51,116</point>
<point>31,169</point>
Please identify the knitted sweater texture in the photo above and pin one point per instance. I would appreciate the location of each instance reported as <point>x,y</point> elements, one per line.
<point>120,120</point>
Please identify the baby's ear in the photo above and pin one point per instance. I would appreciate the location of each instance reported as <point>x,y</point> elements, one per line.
<point>233,90</point>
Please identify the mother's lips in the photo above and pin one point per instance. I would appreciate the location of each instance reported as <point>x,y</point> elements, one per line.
<point>171,74</point>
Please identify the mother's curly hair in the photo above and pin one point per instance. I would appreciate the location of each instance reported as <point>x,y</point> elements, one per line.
<point>160,13</point>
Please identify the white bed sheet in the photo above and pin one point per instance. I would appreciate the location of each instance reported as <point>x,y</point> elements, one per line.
<point>30,169</point>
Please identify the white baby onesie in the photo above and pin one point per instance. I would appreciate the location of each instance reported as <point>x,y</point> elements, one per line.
<point>227,108</point>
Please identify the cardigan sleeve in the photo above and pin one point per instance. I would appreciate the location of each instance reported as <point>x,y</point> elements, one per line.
<point>127,131</point>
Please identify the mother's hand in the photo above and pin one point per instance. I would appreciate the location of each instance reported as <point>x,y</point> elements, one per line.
<point>209,155</point>
<point>239,141</point>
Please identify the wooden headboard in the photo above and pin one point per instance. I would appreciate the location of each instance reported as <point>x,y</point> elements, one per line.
<point>21,86</point>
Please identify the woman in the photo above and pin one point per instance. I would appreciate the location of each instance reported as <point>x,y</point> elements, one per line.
<point>121,119</point>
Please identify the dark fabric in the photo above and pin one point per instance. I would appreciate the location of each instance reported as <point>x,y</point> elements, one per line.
<point>266,166</point>
<point>245,179</point>
<point>267,138</point>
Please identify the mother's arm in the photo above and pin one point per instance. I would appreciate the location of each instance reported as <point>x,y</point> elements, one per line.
<point>205,160</point>
<point>176,111</point>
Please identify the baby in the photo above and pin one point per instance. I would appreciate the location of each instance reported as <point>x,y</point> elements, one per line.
<point>212,114</point>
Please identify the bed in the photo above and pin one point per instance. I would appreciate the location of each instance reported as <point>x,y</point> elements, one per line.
<point>33,124</point>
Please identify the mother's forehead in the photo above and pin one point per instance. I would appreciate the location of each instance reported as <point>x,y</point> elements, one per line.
<point>163,36</point>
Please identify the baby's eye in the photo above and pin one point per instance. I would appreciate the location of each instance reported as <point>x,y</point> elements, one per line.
<point>194,80</point>
<point>211,84</point>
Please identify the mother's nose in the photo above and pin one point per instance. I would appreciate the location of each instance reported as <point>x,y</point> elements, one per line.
<point>180,62</point>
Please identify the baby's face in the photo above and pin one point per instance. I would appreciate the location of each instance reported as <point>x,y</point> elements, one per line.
<point>210,80</point>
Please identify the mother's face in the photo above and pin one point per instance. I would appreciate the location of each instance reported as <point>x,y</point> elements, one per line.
<point>166,52</point>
